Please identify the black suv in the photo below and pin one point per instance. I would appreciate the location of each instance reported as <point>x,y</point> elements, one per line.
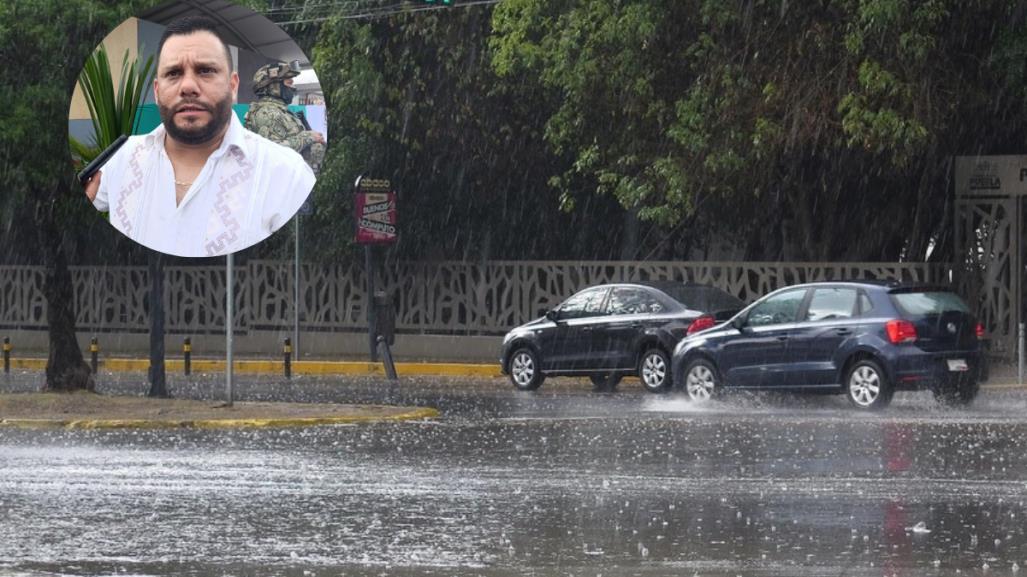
<point>608,331</point>
<point>866,339</point>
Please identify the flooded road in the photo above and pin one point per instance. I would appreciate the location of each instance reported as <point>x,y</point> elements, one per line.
<point>561,482</point>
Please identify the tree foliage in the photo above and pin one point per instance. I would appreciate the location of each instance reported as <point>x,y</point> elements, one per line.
<point>40,40</point>
<point>808,129</point>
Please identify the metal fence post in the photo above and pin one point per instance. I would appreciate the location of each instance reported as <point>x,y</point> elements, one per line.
<point>94,351</point>
<point>7,355</point>
<point>287,351</point>
<point>187,355</point>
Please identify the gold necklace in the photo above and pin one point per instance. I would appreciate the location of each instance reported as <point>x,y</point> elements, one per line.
<point>180,183</point>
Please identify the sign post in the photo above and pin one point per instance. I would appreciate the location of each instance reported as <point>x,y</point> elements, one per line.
<point>375,212</point>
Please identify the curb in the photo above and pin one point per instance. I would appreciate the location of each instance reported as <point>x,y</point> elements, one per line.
<point>416,414</point>
<point>298,367</point>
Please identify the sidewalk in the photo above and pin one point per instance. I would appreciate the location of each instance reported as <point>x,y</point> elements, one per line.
<point>305,367</point>
<point>85,410</point>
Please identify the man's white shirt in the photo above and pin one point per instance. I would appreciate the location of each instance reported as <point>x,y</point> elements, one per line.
<point>249,187</point>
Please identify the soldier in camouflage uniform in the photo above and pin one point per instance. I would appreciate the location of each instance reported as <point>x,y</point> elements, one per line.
<point>270,117</point>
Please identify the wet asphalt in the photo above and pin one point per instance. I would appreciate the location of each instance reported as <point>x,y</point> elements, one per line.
<point>564,481</point>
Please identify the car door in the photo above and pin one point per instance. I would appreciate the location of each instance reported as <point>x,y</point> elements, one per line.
<point>630,311</point>
<point>829,320</point>
<point>572,343</point>
<point>758,356</point>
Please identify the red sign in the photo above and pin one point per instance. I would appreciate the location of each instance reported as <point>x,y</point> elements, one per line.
<point>376,217</point>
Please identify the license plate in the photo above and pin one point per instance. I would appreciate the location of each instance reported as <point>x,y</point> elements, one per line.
<point>958,365</point>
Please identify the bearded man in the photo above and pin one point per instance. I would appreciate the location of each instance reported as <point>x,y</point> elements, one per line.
<point>199,184</point>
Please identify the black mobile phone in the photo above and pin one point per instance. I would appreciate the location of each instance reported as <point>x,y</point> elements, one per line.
<point>97,163</point>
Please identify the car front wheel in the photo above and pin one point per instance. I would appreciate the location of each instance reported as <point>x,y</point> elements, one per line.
<point>654,370</point>
<point>867,386</point>
<point>701,381</point>
<point>525,372</point>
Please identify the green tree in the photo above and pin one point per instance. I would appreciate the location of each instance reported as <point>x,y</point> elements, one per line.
<point>413,98</point>
<point>807,129</point>
<point>42,41</point>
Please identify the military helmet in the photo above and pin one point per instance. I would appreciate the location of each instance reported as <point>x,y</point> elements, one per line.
<point>269,74</point>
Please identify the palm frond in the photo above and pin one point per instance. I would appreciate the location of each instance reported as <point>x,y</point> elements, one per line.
<point>112,109</point>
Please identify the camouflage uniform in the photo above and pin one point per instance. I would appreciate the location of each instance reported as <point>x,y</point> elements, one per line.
<point>270,117</point>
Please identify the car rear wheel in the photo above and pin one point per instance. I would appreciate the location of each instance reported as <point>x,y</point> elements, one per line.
<point>525,373</point>
<point>654,370</point>
<point>867,386</point>
<point>605,382</point>
<point>701,381</point>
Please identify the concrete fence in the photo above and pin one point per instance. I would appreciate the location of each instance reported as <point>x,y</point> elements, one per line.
<point>444,310</point>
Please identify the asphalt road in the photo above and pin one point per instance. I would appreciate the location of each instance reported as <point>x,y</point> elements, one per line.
<point>559,482</point>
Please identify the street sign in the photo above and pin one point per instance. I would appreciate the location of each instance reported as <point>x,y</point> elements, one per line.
<point>375,207</point>
<point>307,208</point>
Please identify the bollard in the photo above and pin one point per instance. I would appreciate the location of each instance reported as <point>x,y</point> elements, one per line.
<point>187,355</point>
<point>288,357</point>
<point>7,355</point>
<point>94,351</point>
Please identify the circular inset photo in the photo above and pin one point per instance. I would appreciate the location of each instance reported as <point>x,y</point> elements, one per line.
<point>198,128</point>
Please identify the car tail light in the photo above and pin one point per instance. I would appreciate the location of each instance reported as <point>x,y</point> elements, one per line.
<point>703,322</point>
<point>980,330</point>
<point>900,331</point>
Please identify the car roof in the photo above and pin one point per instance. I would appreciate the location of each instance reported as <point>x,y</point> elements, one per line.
<point>890,285</point>
<point>656,284</point>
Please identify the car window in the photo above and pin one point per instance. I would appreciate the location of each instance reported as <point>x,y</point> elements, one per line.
<point>632,301</point>
<point>865,304</point>
<point>587,303</point>
<point>918,304</point>
<point>831,303</point>
<point>702,298</point>
<point>778,309</point>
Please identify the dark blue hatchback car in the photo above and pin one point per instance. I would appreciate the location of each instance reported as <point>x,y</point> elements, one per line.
<point>866,339</point>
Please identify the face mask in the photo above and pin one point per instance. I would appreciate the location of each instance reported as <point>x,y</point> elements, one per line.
<point>287,93</point>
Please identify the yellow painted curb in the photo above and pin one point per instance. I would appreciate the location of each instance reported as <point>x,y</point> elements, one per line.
<point>415,414</point>
<point>298,367</point>
<point>38,364</point>
<point>1003,386</point>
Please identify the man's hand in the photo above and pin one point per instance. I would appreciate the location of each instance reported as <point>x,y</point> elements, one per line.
<point>93,186</point>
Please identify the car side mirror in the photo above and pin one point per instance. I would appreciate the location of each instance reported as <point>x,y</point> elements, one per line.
<point>553,315</point>
<point>739,324</point>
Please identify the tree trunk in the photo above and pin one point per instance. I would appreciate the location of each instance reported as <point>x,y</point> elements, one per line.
<point>66,369</point>
<point>158,383</point>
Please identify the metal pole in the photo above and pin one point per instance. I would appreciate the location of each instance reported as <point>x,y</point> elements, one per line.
<point>157,372</point>
<point>390,367</point>
<point>1018,287</point>
<point>229,327</point>
<point>296,295</point>
<point>7,355</point>
<point>372,326</point>
<point>1019,353</point>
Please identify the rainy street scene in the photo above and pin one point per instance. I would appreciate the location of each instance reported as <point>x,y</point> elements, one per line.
<point>593,288</point>
<point>560,482</point>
